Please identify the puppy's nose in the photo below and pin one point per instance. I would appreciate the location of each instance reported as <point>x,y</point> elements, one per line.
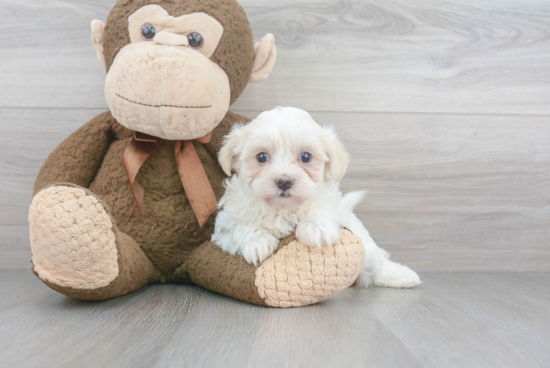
<point>284,184</point>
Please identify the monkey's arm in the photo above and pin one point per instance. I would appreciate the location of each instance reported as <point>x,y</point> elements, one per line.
<point>77,159</point>
<point>295,275</point>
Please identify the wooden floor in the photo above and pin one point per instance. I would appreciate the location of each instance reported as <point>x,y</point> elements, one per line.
<point>452,320</point>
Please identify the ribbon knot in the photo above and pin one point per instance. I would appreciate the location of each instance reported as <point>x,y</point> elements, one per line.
<point>193,177</point>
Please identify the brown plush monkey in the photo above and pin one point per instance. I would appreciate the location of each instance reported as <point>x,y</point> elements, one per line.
<point>128,198</point>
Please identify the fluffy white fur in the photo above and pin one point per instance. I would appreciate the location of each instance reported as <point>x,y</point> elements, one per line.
<point>255,213</point>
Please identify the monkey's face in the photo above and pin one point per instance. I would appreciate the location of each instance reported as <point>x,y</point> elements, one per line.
<point>174,76</point>
<point>163,83</point>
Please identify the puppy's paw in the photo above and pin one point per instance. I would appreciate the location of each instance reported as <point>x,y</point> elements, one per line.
<point>260,246</point>
<point>317,233</point>
<point>395,275</point>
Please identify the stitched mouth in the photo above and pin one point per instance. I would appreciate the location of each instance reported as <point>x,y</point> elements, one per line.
<point>173,106</point>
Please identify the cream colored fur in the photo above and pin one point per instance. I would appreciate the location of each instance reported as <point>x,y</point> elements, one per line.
<point>72,239</point>
<point>255,213</point>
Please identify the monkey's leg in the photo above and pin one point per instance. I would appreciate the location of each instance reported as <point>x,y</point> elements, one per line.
<point>78,250</point>
<point>295,275</point>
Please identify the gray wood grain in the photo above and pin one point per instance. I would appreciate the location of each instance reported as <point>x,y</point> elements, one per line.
<point>452,320</point>
<point>453,192</point>
<point>456,56</point>
<point>474,314</point>
<point>447,192</point>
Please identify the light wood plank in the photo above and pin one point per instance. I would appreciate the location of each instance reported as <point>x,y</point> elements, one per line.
<point>456,56</point>
<point>458,320</point>
<point>19,286</point>
<point>172,325</point>
<point>452,192</point>
<point>452,320</point>
<point>447,192</point>
<point>330,334</point>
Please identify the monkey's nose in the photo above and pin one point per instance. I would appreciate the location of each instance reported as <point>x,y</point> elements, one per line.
<point>284,184</point>
<point>171,39</point>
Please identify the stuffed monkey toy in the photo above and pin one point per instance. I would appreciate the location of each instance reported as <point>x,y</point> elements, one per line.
<point>129,198</point>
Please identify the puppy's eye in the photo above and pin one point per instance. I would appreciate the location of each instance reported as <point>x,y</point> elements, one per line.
<point>262,157</point>
<point>305,157</point>
<point>148,31</point>
<point>195,40</point>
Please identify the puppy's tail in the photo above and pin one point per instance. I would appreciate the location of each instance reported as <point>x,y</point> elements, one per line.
<point>352,199</point>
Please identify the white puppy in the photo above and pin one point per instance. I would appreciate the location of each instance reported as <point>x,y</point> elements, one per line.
<point>287,173</point>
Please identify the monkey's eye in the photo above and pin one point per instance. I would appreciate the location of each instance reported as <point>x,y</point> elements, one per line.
<point>262,157</point>
<point>305,157</point>
<point>195,40</point>
<point>148,31</point>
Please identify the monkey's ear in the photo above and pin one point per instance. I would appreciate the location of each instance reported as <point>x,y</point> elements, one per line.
<point>264,59</point>
<point>98,31</point>
<point>229,154</point>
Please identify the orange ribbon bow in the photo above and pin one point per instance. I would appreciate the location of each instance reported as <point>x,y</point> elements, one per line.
<point>193,177</point>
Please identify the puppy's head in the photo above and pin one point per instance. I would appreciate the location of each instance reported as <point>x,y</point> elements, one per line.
<point>283,155</point>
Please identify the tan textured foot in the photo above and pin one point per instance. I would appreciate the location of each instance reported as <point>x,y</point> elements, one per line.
<point>72,239</point>
<point>298,275</point>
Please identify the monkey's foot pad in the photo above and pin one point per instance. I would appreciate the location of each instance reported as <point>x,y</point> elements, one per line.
<point>299,275</point>
<point>72,239</point>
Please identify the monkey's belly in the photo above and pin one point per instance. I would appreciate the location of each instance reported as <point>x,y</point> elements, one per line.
<point>166,227</point>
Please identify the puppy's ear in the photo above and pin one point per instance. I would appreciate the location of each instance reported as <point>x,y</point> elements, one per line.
<point>338,157</point>
<point>228,154</point>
